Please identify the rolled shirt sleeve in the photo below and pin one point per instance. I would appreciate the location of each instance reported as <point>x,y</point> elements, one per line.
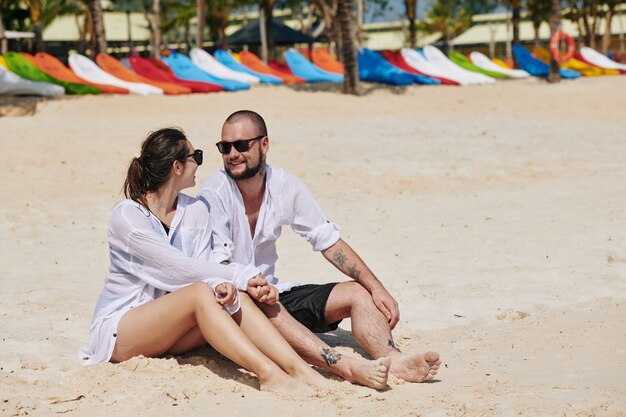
<point>308,220</point>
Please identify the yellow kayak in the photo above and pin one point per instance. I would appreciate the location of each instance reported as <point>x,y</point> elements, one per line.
<point>585,69</point>
<point>3,63</point>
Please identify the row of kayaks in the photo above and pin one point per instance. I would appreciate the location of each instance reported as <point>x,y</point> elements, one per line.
<point>201,72</point>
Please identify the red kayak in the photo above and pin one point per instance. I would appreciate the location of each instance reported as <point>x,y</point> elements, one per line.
<point>147,68</point>
<point>395,58</point>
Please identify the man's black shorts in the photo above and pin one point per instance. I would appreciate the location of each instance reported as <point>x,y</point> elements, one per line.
<point>307,303</point>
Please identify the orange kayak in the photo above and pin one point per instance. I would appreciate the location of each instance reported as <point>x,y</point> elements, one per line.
<point>322,59</point>
<point>117,69</point>
<point>55,68</point>
<point>255,64</point>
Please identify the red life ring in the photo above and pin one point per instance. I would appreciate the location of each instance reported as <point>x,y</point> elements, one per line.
<point>556,51</point>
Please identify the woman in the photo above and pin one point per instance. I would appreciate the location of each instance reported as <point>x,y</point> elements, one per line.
<point>162,294</point>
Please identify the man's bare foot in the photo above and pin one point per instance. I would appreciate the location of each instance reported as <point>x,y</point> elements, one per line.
<point>285,384</point>
<point>372,374</point>
<point>415,367</point>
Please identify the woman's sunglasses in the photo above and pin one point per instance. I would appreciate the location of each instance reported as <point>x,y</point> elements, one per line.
<point>241,145</point>
<point>197,156</point>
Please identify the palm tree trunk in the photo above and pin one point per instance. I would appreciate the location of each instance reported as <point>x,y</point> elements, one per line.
<point>39,45</point>
<point>411,15</point>
<point>268,6</point>
<point>516,9</point>
<point>98,39</point>
<point>201,11</point>
<point>555,24</point>
<point>608,18</point>
<point>156,26</point>
<point>351,65</point>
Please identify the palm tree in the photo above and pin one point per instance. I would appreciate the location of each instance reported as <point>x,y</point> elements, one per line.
<point>538,11</point>
<point>411,15</point>
<point>98,39</point>
<point>555,24</point>
<point>35,8</point>
<point>608,18</point>
<point>516,12</point>
<point>201,8</point>
<point>156,26</point>
<point>351,74</point>
<point>448,17</point>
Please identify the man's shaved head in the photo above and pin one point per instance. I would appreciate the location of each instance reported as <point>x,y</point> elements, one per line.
<point>249,115</point>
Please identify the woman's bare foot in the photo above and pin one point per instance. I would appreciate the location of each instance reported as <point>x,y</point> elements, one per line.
<point>415,367</point>
<point>372,374</point>
<point>313,378</point>
<point>282,383</point>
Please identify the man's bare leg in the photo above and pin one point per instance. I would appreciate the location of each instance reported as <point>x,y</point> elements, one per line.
<point>372,374</point>
<point>371,330</point>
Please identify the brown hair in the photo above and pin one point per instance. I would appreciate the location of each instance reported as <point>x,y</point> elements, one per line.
<point>254,117</point>
<point>152,168</point>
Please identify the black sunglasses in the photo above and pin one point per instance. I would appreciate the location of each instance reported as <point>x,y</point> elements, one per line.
<point>197,156</point>
<point>241,145</point>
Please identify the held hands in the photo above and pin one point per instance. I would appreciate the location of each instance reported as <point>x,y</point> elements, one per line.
<point>226,294</point>
<point>261,290</point>
<point>387,305</point>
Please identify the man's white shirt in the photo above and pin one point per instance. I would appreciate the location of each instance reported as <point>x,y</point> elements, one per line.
<point>286,201</point>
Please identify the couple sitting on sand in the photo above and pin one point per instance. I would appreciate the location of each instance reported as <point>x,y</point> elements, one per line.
<point>187,271</point>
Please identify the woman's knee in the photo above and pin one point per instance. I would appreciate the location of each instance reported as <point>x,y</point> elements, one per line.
<point>201,293</point>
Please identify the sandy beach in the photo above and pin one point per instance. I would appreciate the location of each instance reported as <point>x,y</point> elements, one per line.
<point>496,215</point>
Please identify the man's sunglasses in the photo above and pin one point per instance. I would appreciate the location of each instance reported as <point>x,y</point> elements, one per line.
<point>241,145</point>
<point>197,156</point>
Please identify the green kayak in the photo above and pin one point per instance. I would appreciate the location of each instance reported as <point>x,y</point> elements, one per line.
<point>462,61</point>
<point>24,68</point>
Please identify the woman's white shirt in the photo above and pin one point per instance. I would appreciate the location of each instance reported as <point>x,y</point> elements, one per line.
<point>147,263</point>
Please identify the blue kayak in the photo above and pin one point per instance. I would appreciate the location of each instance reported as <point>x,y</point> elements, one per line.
<point>375,68</point>
<point>227,59</point>
<point>184,68</point>
<point>304,68</point>
<point>535,67</point>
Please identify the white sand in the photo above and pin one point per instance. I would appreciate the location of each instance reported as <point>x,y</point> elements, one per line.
<point>495,215</point>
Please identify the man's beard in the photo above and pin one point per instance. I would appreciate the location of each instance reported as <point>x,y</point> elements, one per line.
<point>249,172</point>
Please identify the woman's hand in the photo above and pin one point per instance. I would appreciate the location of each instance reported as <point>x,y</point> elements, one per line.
<point>226,294</point>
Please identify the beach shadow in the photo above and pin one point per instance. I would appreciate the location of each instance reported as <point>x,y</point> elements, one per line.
<point>17,106</point>
<point>218,364</point>
<point>370,88</point>
<point>343,338</point>
<point>317,87</point>
<point>365,88</point>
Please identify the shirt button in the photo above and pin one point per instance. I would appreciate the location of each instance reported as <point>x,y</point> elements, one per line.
<point>114,334</point>
<point>225,244</point>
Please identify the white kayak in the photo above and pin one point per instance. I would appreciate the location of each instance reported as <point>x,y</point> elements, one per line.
<point>599,60</point>
<point>439,60</point>
<point>207,63</point>
<point>87,69</point>
<point>12,84</point>
<point>419,62</point>
<point>481,61</point>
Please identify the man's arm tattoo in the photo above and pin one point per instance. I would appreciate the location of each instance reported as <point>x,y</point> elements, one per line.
<point>340,258</point>
<point>354,273</point>
<point>392,345</point>
<point>331,356</point>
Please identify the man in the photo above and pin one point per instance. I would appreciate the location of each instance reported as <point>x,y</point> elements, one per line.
<point>249,202</point>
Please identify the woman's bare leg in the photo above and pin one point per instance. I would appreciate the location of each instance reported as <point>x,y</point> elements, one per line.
<point>269,341</point>
<point>159,325</point>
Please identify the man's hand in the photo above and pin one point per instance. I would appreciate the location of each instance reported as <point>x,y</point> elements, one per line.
<point>271,297</point>
<point>257,287</point>
<point>261,290</point>
<point>387,305</point>
<point>226,294</point>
